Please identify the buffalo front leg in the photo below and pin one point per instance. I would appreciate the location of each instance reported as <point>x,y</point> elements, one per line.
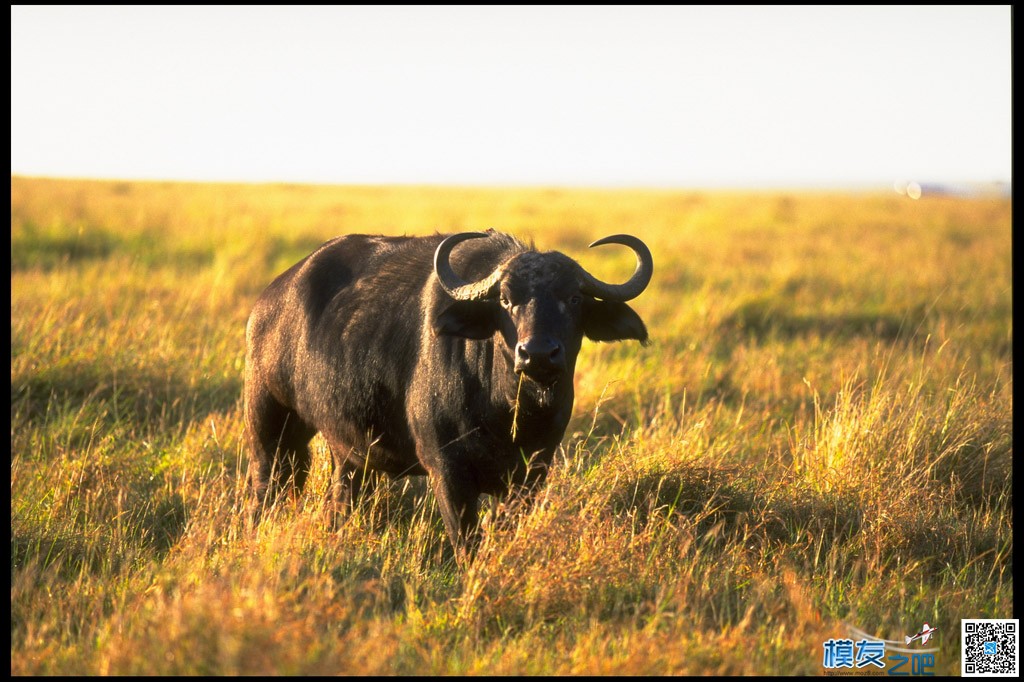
<point>458,499</point>
<point>351,480</point>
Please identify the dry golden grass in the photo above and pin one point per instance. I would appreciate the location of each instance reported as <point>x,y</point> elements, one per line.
<point>819,434</point>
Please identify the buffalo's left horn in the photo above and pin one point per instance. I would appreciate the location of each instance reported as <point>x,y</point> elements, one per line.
<point>634,286</point>
<point>452,283</point>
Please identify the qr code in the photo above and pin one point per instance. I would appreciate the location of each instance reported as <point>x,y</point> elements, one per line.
<point>989,648</point>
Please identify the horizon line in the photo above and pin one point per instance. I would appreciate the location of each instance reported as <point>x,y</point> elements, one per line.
<point>1002,187</point>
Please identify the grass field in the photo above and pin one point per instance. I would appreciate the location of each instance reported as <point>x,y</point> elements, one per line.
<point>818,436</point>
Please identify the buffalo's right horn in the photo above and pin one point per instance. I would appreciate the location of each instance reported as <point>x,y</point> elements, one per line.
<point>452,283</point>
<point>631,288</point>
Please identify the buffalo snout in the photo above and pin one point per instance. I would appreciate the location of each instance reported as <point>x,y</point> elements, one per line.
<point>540,358</point>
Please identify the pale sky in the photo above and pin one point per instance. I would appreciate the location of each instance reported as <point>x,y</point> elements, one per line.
<point>602,96</point>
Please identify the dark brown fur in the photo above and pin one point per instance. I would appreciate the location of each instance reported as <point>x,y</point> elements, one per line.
<point>359,342</point>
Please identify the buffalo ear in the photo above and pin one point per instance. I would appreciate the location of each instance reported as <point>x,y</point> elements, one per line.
<point>611,321</point>
<point>468,319</point>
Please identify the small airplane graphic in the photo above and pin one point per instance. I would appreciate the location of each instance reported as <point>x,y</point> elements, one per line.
<point>926,633</point>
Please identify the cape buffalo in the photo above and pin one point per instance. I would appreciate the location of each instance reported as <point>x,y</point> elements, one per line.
<point>412,356</point>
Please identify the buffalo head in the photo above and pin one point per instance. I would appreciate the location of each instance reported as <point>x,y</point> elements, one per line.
<point>542,305</point>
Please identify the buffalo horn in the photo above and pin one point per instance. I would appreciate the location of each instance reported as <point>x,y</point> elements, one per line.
<point>451,282</point>
<point>634,286</point>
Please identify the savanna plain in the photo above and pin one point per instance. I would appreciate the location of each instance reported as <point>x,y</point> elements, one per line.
<point>818,436</point>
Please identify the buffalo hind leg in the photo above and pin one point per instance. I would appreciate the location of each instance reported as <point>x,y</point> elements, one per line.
<point>279,449</point>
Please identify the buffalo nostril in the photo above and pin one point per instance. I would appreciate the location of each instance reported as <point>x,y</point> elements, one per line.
<point>521,353</point>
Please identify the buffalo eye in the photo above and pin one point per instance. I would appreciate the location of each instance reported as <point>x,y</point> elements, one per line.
<point>575,300</point>
<point>507,303</point>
